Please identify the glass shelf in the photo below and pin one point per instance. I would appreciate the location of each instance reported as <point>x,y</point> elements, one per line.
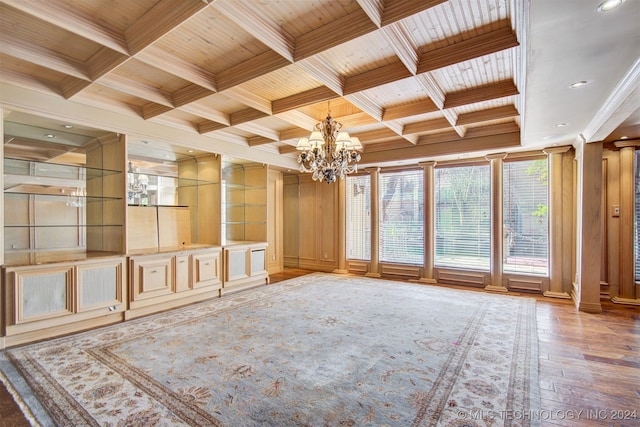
<point>57,198</point>
<point>53,170</point>
<point>62,208</point>
<point>244,222</point>
<point>245,205</point>
<point>243,187</point>
<point>169,181</point>
<point>72,227</point>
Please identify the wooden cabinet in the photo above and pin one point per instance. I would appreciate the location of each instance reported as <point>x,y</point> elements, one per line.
<point>159,281</point>
<point>206,269</point>
<point>182,271</point>
<point>151,276</point>
<point>42,301</point>
<point>244,266</point>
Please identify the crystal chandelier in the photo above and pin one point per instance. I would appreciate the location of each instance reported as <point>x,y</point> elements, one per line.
<point>329,153</point>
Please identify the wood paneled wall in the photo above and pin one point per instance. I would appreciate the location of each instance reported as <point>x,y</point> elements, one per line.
<point>316,210</point>
<point>291,220</point>
<point>275,253</point>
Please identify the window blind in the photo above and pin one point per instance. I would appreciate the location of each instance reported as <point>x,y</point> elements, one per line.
<point>358,212</point>
<point>463,217</point>
<point>636,217</point>
<point>526,218</point>
<point>402,217</point>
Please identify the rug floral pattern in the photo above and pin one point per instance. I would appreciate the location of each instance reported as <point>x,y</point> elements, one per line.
<point>318,350</point>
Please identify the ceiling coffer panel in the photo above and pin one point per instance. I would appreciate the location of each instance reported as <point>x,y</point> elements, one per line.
<point>260,73</point>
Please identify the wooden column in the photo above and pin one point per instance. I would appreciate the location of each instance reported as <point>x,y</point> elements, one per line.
<point>3,112</point>
<point>628,291</point>
<point>586,290</point>
<point>342,227</point>
<point>429,222</point>
<point>374,266</point>
<point>497,219</point>
<point>556,224</point>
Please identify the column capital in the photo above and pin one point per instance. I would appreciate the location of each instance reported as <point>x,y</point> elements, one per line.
<point>496,156</point>
<point>375,169</point>
<point>432,164</point>
<point>557,150</point>
<point>627,143</point>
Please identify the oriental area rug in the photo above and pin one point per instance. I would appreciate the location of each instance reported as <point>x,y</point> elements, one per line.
<point>318,350</point>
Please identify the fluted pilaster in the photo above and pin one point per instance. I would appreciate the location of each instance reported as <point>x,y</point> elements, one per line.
<point>629,292</point>
<point>429,222</point>
<point>497,219</point>
<point>374,266</point>
<point>557,209</point>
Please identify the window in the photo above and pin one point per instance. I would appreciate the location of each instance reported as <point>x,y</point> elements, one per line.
<point>463,217</point>
<point>402,217</point>
<point>526,225</point>
<point>636,216</point>
<point>359,217</point>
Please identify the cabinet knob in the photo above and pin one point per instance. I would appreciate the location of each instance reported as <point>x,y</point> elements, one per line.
<point>154,271</point>
<point>181,262</point>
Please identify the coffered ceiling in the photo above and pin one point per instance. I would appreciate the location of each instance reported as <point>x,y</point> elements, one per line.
<point>414,80</point>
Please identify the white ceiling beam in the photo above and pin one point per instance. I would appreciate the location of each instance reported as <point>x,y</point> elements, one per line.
<point>207,113</point>
<point>366,104</point>
<point>178,67</point>
<point>250,99</point>
<point>259,130</point>
<point>141,90</point>
<point>373,9</point>
<point>437,95</point>
<point>321,71</point>
<point>403,47</point>
<point>269,33</point>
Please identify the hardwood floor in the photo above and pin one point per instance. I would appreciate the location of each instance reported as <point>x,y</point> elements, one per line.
<point>589,365</point>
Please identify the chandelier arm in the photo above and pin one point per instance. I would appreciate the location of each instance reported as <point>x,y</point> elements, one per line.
<point>335,155</point>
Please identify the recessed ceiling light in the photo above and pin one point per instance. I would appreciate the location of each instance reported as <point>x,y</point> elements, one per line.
<point>67,126</point>
<point>560,125</point>
<point>624,137</point>
<point>608,5</point>
<point>49,135</point>
<point>190,151</point>
<point>578,84</point>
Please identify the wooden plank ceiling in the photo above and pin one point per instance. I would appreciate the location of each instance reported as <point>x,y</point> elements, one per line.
<point>396,73</point>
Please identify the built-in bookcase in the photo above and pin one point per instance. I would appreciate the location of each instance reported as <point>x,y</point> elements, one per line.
<point>103,229</point>
<point>244,209</point>
<point>244,225</point>
<point>55,210</point>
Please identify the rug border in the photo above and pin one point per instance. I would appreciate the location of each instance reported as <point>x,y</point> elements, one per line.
<point>38,415</point>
